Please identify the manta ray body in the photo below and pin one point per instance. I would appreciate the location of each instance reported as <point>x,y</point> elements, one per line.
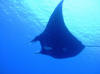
<point>56,40</point>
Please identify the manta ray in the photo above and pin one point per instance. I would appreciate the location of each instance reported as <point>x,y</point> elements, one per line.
<point>56,40</point>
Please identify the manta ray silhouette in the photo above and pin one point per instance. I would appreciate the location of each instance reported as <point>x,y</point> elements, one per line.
<point>56,40</point>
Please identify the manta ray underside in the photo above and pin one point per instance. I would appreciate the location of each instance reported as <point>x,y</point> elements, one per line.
<point>56,40</point>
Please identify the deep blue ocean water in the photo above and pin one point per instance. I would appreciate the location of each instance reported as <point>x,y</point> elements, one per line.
<point>23,20</point>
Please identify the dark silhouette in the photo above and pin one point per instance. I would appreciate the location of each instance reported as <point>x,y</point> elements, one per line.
<point>56,40</point>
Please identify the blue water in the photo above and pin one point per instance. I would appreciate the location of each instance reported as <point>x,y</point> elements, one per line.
<point>23,20</point>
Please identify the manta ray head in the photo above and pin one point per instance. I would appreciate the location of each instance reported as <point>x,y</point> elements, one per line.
<point>59,52</point>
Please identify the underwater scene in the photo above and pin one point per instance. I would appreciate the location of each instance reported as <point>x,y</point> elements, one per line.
<point>49,36</point>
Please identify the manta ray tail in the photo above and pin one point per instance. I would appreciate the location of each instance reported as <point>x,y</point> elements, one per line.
<point>92,45</point>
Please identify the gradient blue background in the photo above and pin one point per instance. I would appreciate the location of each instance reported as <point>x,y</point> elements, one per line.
<point>23,20</point>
